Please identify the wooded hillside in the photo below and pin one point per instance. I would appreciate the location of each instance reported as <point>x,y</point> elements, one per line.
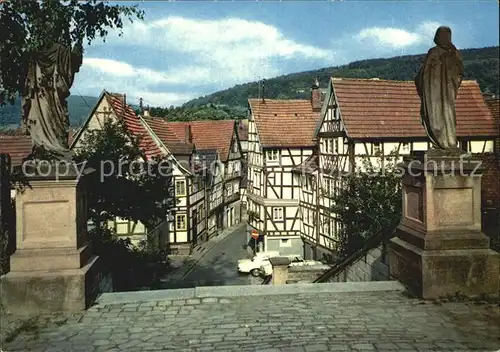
<point>480,64</point>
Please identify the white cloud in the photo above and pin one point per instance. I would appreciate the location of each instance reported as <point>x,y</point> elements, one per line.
<point>397,38</point>
<point>120,69</point>
<point>221,52</point>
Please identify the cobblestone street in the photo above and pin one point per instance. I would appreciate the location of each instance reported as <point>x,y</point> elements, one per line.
<point>321,321</point>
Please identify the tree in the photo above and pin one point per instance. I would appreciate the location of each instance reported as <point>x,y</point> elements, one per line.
<point>124,184</point>
<point>28,26</point>
<point>368,203</point>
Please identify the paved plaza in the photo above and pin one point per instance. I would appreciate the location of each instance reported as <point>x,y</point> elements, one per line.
<point>310,317</point>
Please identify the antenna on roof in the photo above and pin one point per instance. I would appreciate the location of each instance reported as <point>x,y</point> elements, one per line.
<point>263,90</point>
<point>141,105</point>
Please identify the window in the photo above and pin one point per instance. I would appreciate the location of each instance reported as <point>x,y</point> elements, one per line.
<point>277,213</point>
<point>229,189</point>
<point>406,147</point>
<point>285,242</point>
<point>376,148</point>
<point>180,188</point>
<point>330,146</point>
<point>272,155</point>
<point>201,214</point>
<point>236,166</point>
<point>336,145</point>
<point>256,179</point>
<point>229,167</point>
<point>180,222</point>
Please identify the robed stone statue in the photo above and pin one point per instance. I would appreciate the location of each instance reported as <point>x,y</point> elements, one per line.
<point>50,75</point>
<point>437,85</point>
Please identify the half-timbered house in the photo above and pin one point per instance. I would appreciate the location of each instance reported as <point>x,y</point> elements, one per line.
<point>220,137</point>
<point>189,225</point>
<point>280,137</point>
<point>243,137</point>
<point>114,106</point>
<point>371,119</point>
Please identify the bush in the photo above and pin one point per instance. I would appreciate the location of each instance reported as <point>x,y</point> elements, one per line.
<point>131,267</point>
<point>368,204</point>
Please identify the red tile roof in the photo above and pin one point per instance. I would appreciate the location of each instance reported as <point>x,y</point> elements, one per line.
<point>18,147</point>
<point>167,136</point>
<point>207,134</point>
<point>384,109</point>
<point>284,123</point>
<point>133,124</point>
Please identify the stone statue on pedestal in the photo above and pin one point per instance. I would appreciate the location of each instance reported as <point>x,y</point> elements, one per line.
<point>437,85</point>
<point>50,75</point>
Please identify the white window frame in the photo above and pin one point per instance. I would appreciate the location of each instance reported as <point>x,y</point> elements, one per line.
<point>177,183</point>
<point>278,213</point>
<point>180,216</point>
<point>330,146</point>
<point>273,155</point>
<point>229,189</point>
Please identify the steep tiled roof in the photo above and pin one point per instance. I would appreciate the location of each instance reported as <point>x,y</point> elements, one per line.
<point>133,123</point>
<point>207,134</point>
<point>167,136</point>
<point>18,147</point>
<point>381,108</point>
<point>284,123</point>
<point>243,130</point>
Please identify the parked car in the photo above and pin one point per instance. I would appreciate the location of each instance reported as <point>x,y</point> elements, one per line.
<point>252,266</point>
<point>266,268</point>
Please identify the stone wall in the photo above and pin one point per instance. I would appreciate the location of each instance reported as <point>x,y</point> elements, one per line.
<point>374,266</point>
<point>490,182</point>
<point>307,273</point>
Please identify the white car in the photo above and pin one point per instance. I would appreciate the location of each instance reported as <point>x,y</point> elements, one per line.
<point>252,266</point>
<point>266,268</point>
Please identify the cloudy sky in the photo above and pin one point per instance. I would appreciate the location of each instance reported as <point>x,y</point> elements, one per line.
<point>187,49</point>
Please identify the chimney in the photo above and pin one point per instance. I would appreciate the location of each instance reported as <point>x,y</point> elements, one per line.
<point>145,112</point>
<point>316,96</point>
<point>189,134</point>
<point>263,90</point>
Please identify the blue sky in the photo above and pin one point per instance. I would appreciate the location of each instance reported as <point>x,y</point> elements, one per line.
<point>187,49</point>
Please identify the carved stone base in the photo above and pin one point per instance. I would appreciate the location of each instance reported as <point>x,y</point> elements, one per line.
<point>440,249</point>
<point>44,291</point>
<point>52,268</point>
<point>432,274</point>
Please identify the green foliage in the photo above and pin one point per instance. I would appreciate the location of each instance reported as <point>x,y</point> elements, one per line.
<point>207,112</point>
<point>368,203</point>
<point>480,64</point>
<point>123,185</point>
<point>131,267</point>
<point>28,26</point>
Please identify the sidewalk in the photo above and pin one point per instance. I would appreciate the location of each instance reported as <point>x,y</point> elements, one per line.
<point>183,266</point>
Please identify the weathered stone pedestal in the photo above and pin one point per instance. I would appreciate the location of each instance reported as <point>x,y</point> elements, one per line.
<point>53,268</point>
<point>280,270</point>
<point>439,249</point>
